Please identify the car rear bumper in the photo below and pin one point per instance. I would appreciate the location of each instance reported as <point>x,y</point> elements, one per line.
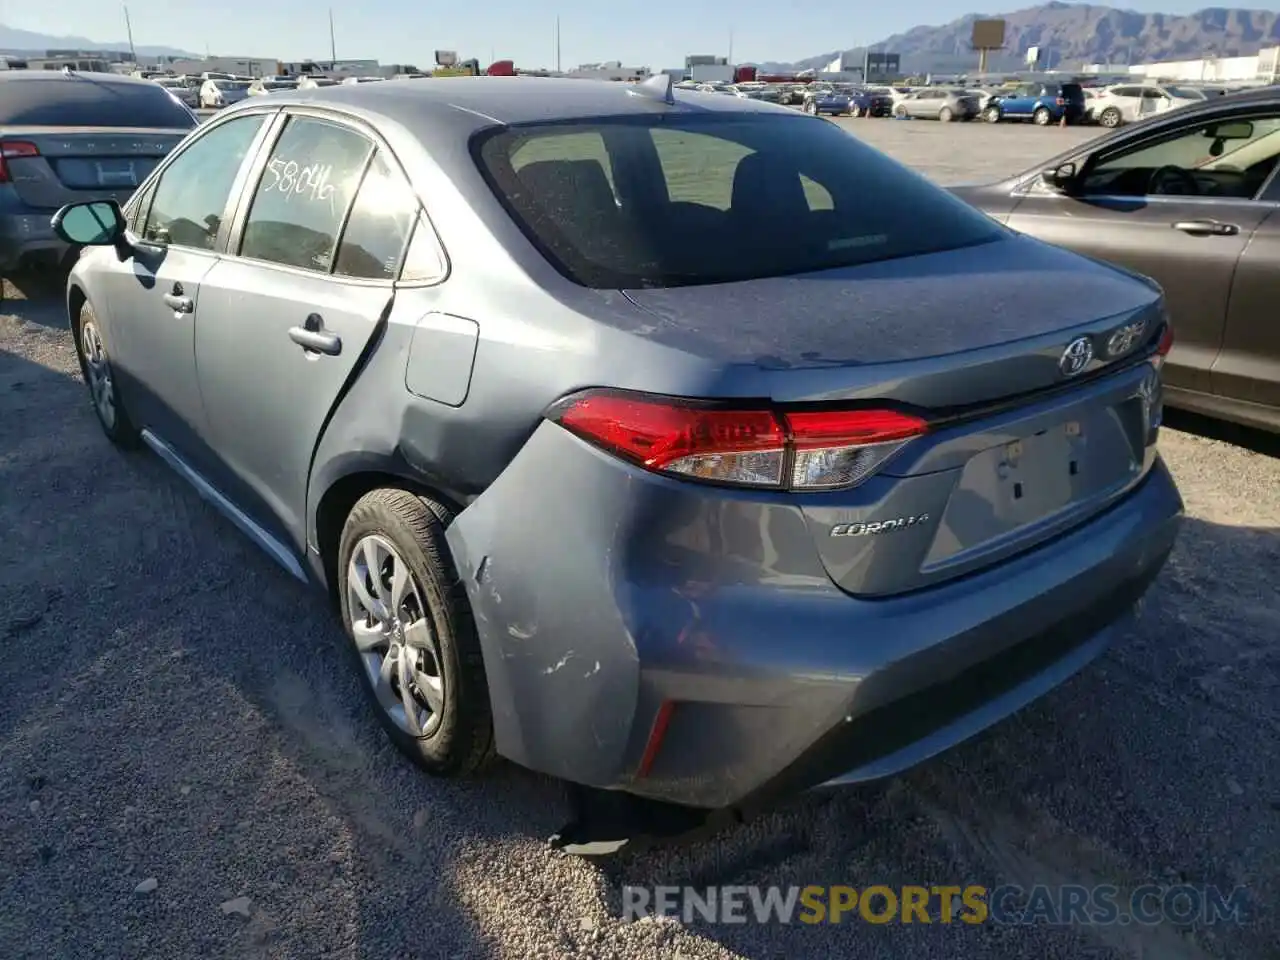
<point>641,635</point>
<point>27,235</point>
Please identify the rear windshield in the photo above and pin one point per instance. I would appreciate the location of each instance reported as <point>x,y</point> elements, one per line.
<point>279,84</point>
<point>232,84</point>
<point>670,201</point>
<point>82,101</point>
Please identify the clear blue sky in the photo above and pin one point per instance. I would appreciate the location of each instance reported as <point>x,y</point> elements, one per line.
<point>406,31</point>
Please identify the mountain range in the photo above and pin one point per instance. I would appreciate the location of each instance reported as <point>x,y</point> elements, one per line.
<point>14,41</point>
<point>1072,34</point>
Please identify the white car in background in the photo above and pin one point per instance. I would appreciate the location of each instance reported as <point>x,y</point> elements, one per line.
<point>265,85</point>
<point>180,88</point>
<point>313,83</point>
<point>222,93</point>
<point>1128,102</point>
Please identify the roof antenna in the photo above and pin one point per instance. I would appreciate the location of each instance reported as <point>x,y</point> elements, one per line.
<point>658,87</point>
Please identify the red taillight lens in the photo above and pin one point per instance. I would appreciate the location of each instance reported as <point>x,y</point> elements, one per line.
<point>1166,341</point>
<point>758,447</point>
<point>1061,102</point>
<point>12,149</point>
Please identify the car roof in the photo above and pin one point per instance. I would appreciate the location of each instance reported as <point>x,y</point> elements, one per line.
<point>509,100</point>
<point>71,76</point>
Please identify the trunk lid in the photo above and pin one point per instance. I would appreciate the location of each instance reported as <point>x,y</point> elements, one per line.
<point>973,340</point>
<point>70,165</point>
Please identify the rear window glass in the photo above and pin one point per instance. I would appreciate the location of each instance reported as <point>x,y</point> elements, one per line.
<point>658,202</point>
<point>82,101</point>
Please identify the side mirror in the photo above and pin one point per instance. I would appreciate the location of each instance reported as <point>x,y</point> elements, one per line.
<point>1060,177</point>
<point>96,223</point>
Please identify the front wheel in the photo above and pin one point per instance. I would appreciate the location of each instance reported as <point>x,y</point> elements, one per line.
<point>99,376</point>
<point>406,613</point>
<point>945,115</point>
<point>991,114</point>
<point>1110,117</point>
<point>1042,117</point>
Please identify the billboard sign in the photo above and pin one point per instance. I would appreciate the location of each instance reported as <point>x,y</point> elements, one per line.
<point>446,58</point>
<point>881,67</point>
<point>1033,56</point>
<point>988,35</point>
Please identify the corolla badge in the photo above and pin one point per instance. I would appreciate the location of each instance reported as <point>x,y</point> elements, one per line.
<point>878,526</point>
<point>1126,338</point>
<point>1076,357</point>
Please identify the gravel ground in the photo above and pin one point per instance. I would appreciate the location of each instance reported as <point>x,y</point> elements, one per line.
<point>177,717</point>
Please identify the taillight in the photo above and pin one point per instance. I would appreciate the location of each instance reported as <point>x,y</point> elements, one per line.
<point>755,446</point>
<point>1165,343</point>
<point>13,149</point>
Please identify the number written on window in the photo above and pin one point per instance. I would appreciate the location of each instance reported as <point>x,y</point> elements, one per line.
<point>302,198</point>
<point>312,182</point>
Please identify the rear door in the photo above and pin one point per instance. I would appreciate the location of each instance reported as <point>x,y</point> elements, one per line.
<point>285,322</point>
<point>1189,244</point>
<point>68,139</point>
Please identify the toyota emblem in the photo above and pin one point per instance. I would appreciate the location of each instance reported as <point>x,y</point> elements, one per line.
<point>1076,357</point>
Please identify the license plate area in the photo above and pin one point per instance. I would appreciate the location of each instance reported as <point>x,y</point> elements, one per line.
<point>110,173</point>
<point>1021,486</point>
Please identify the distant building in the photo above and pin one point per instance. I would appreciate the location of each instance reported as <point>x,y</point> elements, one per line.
<point>609,70</point>
<point>1263,67</point>
<point>239,66</point>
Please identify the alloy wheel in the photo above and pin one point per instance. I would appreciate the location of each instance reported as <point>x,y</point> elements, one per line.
<point>393,634</point>
<point>98,371</point>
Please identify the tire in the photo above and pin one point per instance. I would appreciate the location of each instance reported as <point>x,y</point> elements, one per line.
<point>456,740</point>
<point>899,111</point>
<point>945,115</point>
<point>991,114</point>
<point>99,379</point>
<point>811,108</point>
<point>1042,117</point>
<point>1110,118</point>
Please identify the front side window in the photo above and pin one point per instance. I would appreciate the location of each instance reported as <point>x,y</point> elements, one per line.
<point>381,220</point>
<point>666,201</point>
<point>192,194</point>
<point>1227,158</point>
<point>302,199</point>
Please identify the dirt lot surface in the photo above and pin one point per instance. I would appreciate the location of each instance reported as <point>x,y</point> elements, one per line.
<point>187,768</point>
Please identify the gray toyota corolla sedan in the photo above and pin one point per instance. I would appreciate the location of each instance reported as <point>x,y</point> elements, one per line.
<point>683,447</point>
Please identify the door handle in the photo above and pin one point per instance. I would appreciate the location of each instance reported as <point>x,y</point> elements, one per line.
<point>178,303</point>
<point>316,341</point>
<point>1206,228</point>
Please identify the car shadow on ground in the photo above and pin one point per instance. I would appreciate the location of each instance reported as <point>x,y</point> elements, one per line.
<point>1259,441</point>
<point>36,296</point>
<point>177,707</point>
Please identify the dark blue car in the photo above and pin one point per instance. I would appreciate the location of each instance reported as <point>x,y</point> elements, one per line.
<point>870,103</point>
<point>1041,103</point>
<point>832,102</point>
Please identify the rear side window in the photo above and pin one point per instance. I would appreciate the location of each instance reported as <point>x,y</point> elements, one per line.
<point>82,101</point>
<point>302,199</point>
<point>381,220</point>
<point>668,201</point>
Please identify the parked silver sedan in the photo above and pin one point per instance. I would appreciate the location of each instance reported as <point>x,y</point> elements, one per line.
<point>702,483</point>
<point>938,103</point>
